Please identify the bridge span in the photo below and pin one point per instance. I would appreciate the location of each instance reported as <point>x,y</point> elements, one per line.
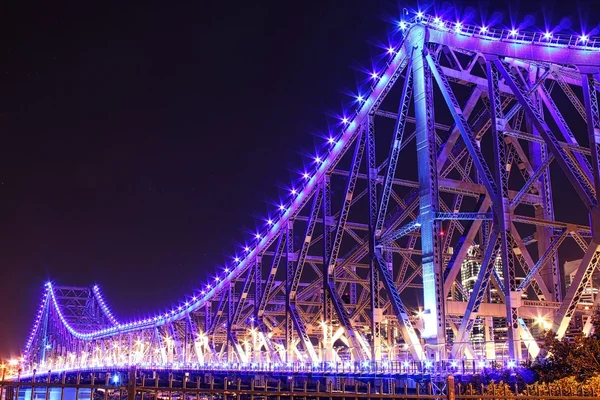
<point>424,236</point>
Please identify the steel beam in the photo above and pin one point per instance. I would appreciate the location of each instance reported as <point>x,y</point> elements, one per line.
<point>579,182</point>
<point>434,329</point>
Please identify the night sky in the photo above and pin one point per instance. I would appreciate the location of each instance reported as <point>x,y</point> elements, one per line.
<point>140,142</point>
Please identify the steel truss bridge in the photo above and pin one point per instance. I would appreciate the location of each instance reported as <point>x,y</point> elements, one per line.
<point>457,146</point>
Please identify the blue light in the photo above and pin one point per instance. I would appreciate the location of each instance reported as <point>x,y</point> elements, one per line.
<point>511,364</point>
<point>428,364</point>
<point>514,32</point>
<point>437,20</point>
<point>306,175</point>
<point>420,14</point>
<point>345,120</point>
<point>257,236</point>
<point>405,364</point>
<point>270,222</point>
<point>402,25</point>
<point>294,191</point>
<point>483,29</point>
<point>237,259</point>
<point>583,38</point>
<point>390,50</point>
<point>359,98</point>
<point>246,249</point>
<point>115,379</point>
<point>317,158</point>
<point>548,35</point>
<point>482,364</point>
<point>331,140</point>
<point>281,207</point>
<point>374,75</point>
<point>458,27</point>
<point>453,364</point>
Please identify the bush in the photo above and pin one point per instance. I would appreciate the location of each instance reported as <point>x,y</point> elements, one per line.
<point>579,358</point>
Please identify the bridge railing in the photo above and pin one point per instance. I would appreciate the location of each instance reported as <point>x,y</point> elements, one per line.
<point>135,385</point>
<point>510,35</point>
<point>398,367</point>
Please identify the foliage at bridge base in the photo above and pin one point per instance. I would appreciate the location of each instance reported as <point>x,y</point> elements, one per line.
<point>567,367</point>
<point>578,358</point>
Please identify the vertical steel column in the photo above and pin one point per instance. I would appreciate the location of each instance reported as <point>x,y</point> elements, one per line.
<point>328,227</point>
<point>289,277</point>
<point>502,221</point>
<point>207,316</point>
<point>590,98</point>
<point>303,253</point>
<point>434,330</point>
<point>44,336</point>
<point>538,153</point>
<point>230,313</point>
<point>257,284</point>
<point>377,312</point>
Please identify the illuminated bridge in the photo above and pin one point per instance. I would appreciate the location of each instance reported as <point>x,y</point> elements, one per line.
<point>427,234</point>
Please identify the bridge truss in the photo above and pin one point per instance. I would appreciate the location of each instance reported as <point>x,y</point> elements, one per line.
<point>458,146</point>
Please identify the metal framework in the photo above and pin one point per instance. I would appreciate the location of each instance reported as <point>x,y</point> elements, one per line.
<point>487,123</point>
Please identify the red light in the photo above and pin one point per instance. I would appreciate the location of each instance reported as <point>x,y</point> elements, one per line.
<point>441,233</point>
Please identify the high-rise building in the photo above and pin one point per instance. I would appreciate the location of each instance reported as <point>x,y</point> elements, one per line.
<point>496,327</point>
<point>469,271</point>
<point>590,292</point>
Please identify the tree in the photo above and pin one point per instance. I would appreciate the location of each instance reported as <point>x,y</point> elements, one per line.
<point>579,357</point>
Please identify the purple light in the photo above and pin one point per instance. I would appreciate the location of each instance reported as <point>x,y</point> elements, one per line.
<point>294,192</point>
<point>216,279</point>
<point>237,259</point>
<point>226,270</point>
<point>420,14</point>
<point>257,236</point>
<point>317,158</point>
<point>483,29</point>
<point>514,32</point>
<point>402,25</point>
<point>374,75</point>
<point>270,222</point>
<point>246,248</point>
<point>281,207</point>
<point>360,99</point>
<point>548,35</point>
<point>457,27</point>
<point>583,38</point>
<point>390,50</point>
<point>437,20</point>
<point>331,140</point>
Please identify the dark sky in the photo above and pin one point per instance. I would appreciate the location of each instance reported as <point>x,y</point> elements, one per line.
<point>138,142</point>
